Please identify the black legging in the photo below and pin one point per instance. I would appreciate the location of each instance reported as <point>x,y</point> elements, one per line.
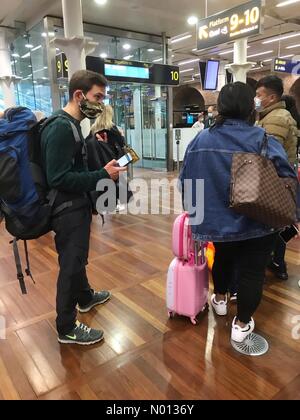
<point>279,253</point>
<point>250,259</point>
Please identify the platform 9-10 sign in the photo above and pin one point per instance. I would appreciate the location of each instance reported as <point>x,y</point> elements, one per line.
<point>240,22</point>
<point>62,66</point>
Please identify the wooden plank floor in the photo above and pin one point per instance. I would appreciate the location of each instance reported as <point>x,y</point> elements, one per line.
<point>144,356</point>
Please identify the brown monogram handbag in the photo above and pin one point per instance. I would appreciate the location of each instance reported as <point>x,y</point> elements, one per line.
<point>259,193</point>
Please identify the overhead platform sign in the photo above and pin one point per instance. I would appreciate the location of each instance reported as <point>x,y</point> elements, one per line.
<point>240,22</point>
<point>134,71</point>
<point>287,66</point>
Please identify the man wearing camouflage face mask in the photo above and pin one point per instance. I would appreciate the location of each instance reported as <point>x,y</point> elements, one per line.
<point>64,164</point>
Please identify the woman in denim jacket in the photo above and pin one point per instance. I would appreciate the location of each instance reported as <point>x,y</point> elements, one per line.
<point>241,244</point>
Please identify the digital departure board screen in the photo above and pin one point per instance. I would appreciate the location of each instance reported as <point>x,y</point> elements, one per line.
<point>134,71</point>
<point>240,22</point>
<point>128,72</point>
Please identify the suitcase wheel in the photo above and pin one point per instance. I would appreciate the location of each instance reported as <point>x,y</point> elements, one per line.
<point>171,314</point>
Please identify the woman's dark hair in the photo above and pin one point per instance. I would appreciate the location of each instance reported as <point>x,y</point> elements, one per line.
<point>290,103</point>
<point>252,83</point>
<point>236,100</point>
<point>295,91</point>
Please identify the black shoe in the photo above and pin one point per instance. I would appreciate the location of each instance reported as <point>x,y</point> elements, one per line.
<point>98,299</point>
<point>279,271</point>
<point>82,335</point>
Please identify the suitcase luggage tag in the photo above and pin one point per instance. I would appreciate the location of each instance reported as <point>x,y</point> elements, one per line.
<point>199,260</point>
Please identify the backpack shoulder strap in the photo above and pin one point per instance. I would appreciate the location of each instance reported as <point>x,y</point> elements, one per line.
<point>78,138</point>
<point>45,122</point>
<point>20,274</point>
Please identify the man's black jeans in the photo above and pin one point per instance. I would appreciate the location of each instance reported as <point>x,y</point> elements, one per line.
<point>72,243</point>
<point>250,259</point>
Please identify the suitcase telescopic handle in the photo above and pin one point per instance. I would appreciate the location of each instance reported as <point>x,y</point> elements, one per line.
<point>196,252</point>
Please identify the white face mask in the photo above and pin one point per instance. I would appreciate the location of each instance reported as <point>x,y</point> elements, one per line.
<point>258,104</point>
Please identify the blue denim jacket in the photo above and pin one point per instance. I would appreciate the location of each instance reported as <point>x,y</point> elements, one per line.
<point>209,157</point>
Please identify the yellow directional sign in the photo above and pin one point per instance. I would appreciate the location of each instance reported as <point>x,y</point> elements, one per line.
<point>240,22</point>
<point>203,34</point>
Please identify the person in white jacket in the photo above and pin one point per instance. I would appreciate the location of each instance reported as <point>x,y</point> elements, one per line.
<point>199,125</point>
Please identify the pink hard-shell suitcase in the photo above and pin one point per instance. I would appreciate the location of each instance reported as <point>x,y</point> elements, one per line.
<point>188,286</point>
<point>182,237</point>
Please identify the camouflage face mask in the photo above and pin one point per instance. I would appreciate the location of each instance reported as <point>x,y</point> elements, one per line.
<point>91,109</point>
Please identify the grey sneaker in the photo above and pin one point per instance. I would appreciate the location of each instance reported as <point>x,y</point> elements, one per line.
<point>98,299</point>
<point>82,335</point>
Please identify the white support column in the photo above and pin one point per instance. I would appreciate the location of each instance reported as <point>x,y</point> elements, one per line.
<point>137,137</point>
<point>240,66</point>
<point>73,21</point>
<point>222,76</point>
<point>74,44</point>
<point>6,76</point>
<point>158,122</point>
<point>73,27</point>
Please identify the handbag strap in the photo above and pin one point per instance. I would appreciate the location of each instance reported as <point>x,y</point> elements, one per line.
<point>265,145</point>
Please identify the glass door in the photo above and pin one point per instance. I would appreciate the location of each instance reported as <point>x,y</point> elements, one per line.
<point>141,111</point>
<point>122,102</point>
<point>154,127</point>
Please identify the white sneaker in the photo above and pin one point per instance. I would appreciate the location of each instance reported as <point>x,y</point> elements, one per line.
<point>120,208</point>
<point>219,307</point>
<point>239,334</point>
<point>233,298</point>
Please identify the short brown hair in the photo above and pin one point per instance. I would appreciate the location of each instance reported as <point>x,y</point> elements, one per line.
<point>273,83</point>
<point>84,80</point>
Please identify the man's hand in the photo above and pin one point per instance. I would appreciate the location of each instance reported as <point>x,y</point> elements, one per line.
<point>114,170</point>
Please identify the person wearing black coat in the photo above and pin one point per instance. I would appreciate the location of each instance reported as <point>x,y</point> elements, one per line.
<point>106,142</point>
